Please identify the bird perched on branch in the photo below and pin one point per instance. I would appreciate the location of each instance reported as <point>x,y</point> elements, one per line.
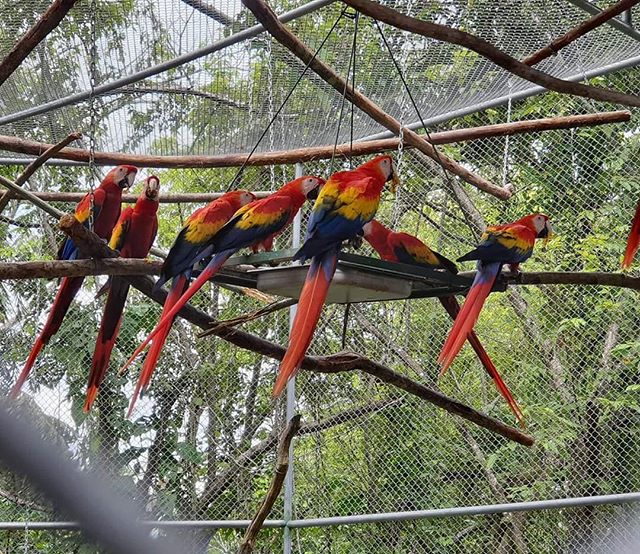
<point>133,237</point>
<point>252,225</point>
<point>102,210</point>
<point>347,201</point>
<point>405,248</point>
<point>501,244</point>
<point>633,240</point>
<point>192,244</point>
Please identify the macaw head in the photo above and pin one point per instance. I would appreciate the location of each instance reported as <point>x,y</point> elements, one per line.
<point>306,185</point>
<point>540,224</point>
<point>121,176</point>
<point>382,166</point>
<point>376,234</point>
<point>151,189</point>
<point>239,198</point>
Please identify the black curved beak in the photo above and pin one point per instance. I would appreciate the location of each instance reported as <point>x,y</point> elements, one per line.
<point>313,193</point>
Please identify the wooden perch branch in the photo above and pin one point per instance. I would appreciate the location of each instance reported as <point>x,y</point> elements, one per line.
<point>487,50</point>
<point>554,46</point>
<point>265,15</point>
<point>49,21</point>
<point>281,157</point>
<point>51,269</point>
<point>282,465</point>
<point>50,151</point>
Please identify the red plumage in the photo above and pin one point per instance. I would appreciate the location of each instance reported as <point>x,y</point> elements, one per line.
<point>347,201</point>
<point>633,240</point>
<point>252,224</point>
<point>133,237</point>
<point>388,243</point>
<point>106,210</point>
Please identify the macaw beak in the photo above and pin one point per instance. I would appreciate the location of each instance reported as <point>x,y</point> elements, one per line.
<point>547,233</point>
<point>395,182</point>
<point>152,189</point>
<point>128,180</point>
<point>313,193</point>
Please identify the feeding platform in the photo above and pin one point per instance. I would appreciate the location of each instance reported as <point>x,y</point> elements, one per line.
<point>357,278</point>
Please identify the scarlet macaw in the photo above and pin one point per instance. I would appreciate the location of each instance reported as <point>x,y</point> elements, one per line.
<point>251,225</point>
<point>348,200</point>
<point>106,211</point>
<point>405,248</point>
<point>501,244</point>
<point>191,245</point>
<point>633,241</point>
<point>133,237</point>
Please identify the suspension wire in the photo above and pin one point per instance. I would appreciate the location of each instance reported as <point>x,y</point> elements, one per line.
<point>445,172</point>
<point>293,88</point>
<point>272,169</point>
<point>353,86</point>
<point>93,54</point>
<point>344,96</point>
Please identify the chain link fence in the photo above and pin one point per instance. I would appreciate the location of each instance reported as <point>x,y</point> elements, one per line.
<point>200,445</point>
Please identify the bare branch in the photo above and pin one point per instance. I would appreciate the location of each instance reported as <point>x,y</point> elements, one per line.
<point>49,21</point>
<point>282,157</point>
<point>51,151</point>
<point>282,466</point>
<point>554,46</point>
<point>487,50</point>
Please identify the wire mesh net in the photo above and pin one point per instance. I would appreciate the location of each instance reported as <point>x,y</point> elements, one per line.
<point>200,444</point>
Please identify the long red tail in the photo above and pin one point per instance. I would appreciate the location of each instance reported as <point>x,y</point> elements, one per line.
<point>167,319</point>
<point>109,329</point>
<point>453,308</point>
<point>469,313</point>
<point>69,287</point>
<point>633,241</point>
<point>312,297</point>
<point>178,288</point>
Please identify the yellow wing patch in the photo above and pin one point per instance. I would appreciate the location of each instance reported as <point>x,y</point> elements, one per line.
<point>201,232</point>
<point>516,237</point>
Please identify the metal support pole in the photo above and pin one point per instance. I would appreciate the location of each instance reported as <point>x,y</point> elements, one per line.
<point>161,68</point>
<point>291,393</point>
<point>622,26</point>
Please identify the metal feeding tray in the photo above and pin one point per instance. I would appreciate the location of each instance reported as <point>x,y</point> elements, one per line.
<point>357,278</point>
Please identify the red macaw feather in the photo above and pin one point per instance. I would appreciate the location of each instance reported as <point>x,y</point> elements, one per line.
<point>133,236</point>
<point>408,249</point>
<point>633,241</point>
<point>314,292</point>
<point>347,201</point>
<point>252,223</point>
<point>106,210</point>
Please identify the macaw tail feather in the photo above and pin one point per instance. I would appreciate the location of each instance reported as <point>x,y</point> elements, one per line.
<point>633,241</point>
<point>178,288</point>
<point>312,297</point>
<point>167,319</point>
<point>453,308</point>
<point>109,329</point>
<point>69,287</point>
<point>469,313</point>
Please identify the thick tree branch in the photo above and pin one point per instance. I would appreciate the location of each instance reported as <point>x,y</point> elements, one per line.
<point>49,21</point>
<point>554,46</point>
<point>25,146</point>
<point>281,33</point>
<point>282,466</point>
<point>50,151</point>
<point>134,266</point>
<point>487,50</point>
